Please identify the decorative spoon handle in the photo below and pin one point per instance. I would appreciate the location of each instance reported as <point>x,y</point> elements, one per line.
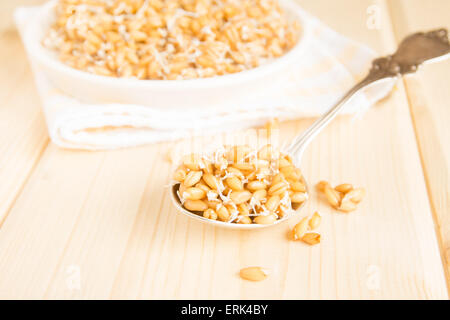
<point>413,51</point>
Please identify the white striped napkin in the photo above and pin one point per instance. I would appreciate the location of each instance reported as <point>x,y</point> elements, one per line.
<point>333,64</point>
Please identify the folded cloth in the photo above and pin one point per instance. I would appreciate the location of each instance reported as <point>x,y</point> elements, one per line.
<point>331,65</point>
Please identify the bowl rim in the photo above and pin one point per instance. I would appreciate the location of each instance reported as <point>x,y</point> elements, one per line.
<point>42,55</point>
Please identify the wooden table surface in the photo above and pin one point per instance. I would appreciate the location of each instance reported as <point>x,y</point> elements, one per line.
<point>77,224</point>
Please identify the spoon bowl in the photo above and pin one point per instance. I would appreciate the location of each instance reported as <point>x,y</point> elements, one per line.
<point>237,226</point>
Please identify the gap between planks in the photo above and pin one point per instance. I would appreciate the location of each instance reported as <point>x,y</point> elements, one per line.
<point>5,215</point>
<point>440,234</point>
<point>433,209</point>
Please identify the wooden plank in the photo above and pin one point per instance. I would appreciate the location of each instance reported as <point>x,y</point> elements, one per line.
<point>100,225</point>
<point>23,134</point>
<point>43,218</point>
<point>428,96</point>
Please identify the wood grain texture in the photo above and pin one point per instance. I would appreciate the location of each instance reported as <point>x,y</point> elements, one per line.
<point>428,97</point>
<point>105,217</point>
<point>23,134</point>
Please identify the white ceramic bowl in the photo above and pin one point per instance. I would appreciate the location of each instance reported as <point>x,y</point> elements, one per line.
<point>172,94</point>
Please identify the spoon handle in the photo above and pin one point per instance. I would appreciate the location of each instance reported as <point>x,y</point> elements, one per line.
<point>298,146</point>
<point>413,51</point>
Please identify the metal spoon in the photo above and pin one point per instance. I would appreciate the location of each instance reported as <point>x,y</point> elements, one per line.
<point>413,51</point>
